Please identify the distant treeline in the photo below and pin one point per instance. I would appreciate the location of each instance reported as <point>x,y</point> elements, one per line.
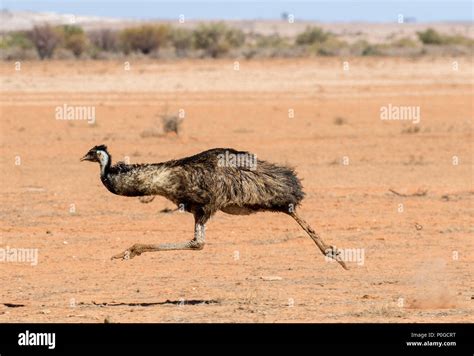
<point>212,40</point>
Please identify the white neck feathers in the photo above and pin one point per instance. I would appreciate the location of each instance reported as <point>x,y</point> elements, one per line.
<point>103,161</point>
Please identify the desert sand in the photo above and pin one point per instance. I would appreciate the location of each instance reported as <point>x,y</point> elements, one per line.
<point>311,114</point>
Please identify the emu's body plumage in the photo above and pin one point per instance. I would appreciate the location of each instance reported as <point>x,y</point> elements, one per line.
<point>202,180</point>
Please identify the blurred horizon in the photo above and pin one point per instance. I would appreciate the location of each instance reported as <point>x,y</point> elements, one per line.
<point>322,11</point>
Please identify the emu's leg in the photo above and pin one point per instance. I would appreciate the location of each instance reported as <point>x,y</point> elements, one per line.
<point>328,251</point>
<point>197,243</point>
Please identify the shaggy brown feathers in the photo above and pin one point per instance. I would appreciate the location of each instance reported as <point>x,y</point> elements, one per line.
<point>207,182</point>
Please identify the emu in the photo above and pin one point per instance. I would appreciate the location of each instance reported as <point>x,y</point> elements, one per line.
<point>210,181</point>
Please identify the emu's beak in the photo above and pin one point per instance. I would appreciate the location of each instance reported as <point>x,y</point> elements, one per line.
<point>85,158</point>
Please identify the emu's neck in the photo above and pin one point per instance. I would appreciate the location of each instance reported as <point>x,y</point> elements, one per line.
<point>105,162</point>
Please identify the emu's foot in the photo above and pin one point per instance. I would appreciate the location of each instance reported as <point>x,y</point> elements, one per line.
<point>335,254</point>
<point>135,250</point>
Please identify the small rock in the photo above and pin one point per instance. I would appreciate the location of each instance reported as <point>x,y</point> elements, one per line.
<point>107,320</point>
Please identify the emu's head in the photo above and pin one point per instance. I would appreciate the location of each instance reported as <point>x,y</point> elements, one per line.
<point>97,154</point>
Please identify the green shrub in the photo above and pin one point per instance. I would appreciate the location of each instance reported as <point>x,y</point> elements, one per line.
<point>458,40</point>
<point>430,37</point>
<point>145,39</point>
<point>182,41</point>
<point>330,47</point>
<point>18,39</point>
<point>364,48</point>
<point>373,50</point>
<point>271,41</point>
<point>74,39</point>
<point>217,39</point>
<point>70,30</point>
<point>311,36</point>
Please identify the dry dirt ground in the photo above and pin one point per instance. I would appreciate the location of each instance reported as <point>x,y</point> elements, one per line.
<point>417,246</point>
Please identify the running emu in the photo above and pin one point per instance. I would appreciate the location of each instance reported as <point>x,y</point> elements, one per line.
<point>205,183</point>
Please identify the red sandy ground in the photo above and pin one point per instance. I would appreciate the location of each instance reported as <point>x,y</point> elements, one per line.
<point>259,268</point>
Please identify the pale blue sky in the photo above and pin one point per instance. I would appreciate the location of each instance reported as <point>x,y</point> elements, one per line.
<point>336,10</point>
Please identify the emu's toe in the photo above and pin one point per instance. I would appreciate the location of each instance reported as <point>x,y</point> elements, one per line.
<point>128,253</point>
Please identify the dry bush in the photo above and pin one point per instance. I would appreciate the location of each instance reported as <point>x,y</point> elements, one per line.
<point>339,121</point>
<point>45,39</point>
<point>171,123</point>
<point>104,39</point>
<point>405,42</point>
<point>18,54</point>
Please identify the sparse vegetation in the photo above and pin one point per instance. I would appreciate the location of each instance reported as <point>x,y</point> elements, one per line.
<point>432,37</point>
<point>405,42</point>
<point>215,40</point>
<point>411,130</point>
